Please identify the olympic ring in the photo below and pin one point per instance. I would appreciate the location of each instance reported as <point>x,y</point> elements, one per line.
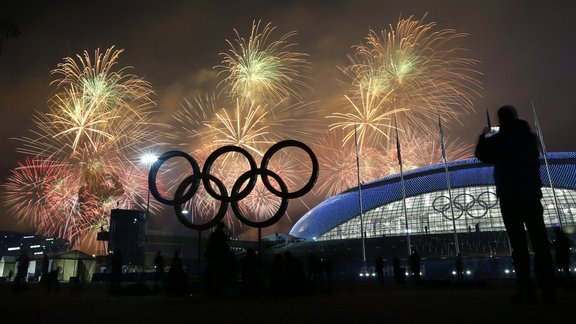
<point>275,148</point>
<point>208,165</point>
<point>281,209</point>
<point>154,173</point>
<point>467,205</point>
<point>193,182</point>
<point>178,207</point>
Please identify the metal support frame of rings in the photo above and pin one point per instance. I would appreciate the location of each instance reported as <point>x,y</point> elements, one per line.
<point>193,182</point>
<point>441,204</point>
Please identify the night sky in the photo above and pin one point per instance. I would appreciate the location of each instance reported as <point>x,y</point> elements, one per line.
<point>526,49</point>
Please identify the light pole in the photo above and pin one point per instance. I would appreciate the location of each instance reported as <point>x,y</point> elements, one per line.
<point>148,159</point>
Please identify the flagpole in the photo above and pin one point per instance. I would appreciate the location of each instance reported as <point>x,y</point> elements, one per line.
<point>541,138</point>
<point>448,184</point>
<point>360,197</point>
<point>399,155</point>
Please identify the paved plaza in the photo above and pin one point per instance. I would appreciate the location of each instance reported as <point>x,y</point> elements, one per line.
<point>430,302</point>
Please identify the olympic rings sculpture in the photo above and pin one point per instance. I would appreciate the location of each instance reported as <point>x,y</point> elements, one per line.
<point>465,203</point>
<point>192,182</point>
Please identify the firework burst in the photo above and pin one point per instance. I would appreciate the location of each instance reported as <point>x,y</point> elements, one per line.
<point>339,171</point>
<point>368,119</point>
<point>82,154</point>
<point>416,69</point>
<point>260,70</point>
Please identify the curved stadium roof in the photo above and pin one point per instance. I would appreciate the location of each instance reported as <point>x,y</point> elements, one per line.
<point>463,173</point>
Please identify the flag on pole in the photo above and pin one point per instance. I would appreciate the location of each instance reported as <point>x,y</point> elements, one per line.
<point>442,144</point>
<point>399,155</point>
<point>356,145</point>
<point>538,131</point>
<point>543,147</point>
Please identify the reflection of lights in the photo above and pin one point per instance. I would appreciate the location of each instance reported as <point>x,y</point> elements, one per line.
<point>185,212</point>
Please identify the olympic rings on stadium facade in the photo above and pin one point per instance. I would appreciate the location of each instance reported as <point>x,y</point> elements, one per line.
<point>192,182</point>
<point>465,203</point>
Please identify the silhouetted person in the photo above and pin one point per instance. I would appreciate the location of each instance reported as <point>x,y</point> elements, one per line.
<point>177,282</point>
<point>294,275</point>
<point>515,155</point>
<point>561,245</point>
<point>218,254</point>
<point>398,271</point>
<point>459,267</point>
<point>53,284</point>
<point>314,265</point>
<point>415,265</point>
<point>327,269</point>
<point>20,282</point>
<point>158,272</point>
<point>45,269</point>
<point>116,274</point>
<point>250,265</point>
<point>276,274</point>
<point>380,269</point>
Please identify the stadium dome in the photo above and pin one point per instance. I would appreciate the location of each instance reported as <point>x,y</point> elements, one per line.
<point>426,208</point>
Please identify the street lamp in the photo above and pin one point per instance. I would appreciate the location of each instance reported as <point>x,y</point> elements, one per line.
<point>148,159</point>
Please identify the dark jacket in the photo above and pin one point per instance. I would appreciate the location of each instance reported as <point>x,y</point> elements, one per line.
<point>516,158</point>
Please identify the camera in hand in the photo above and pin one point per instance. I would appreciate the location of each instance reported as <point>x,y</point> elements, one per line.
<point>493,130</point>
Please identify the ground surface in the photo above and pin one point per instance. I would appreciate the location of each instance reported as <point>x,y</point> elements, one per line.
<point>431,302</point>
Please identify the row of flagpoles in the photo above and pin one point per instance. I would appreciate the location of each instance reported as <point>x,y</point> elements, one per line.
<point>448,183</point>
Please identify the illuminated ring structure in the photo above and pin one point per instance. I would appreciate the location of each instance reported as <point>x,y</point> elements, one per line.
<point>460,205</point>
<point>192,182</point>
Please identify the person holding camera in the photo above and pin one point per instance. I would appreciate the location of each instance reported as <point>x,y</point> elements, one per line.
<point>514,152</point>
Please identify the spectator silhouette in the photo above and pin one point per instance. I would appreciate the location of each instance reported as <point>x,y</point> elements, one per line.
<point>116,275</point>
<point>294,275</point>
<point>158,272</point>
<point>276,274</point>
<point>459,267</point>
<point>380,269</point>
<point>327,269</point>
<point>177,282</point>
<point>515,155</point>
<point>250,272</point>
<point>21,280</point>
<point>561,245</point>
<point>53,283</point>
<point>415,265</point>
<point>45,269</point>
<point>398,271</point>
<point>220,262</point>
<point>314,264</point>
